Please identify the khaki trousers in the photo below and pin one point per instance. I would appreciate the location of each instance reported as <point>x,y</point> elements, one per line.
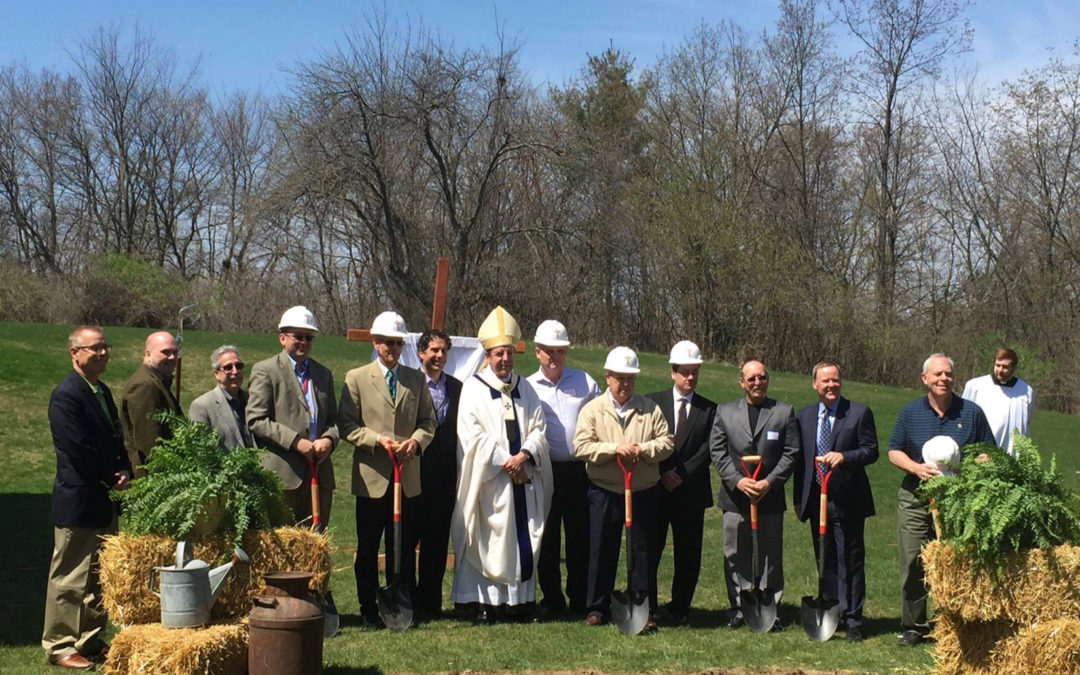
<point>915,527</point>
<point>73,621</point>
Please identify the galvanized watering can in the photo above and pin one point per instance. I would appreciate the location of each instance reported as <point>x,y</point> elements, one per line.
<point>189,588</point>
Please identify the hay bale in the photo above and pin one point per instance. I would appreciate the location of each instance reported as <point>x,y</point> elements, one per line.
<point>1048,647</point>
<point>1037,585</point>
<point>126,561</point>
<point>152,648</point>
<point>967,647</point>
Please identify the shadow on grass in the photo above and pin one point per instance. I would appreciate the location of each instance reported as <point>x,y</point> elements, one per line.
<point>348,670</point>
<point>24,565</point>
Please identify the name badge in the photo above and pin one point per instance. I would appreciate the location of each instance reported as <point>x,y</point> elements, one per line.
<point>772,435</point>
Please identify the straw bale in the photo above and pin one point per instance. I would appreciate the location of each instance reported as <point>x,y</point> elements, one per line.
<point>1048,647</point>
<point>1036,585</point>
<point>126,562</point>
<point>152,648</point>
<point>967,647</point>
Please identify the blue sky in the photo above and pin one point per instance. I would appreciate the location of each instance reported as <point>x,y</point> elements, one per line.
<point>248,45</point>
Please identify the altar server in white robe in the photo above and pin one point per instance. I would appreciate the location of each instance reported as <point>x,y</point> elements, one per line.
<point>504,482</point>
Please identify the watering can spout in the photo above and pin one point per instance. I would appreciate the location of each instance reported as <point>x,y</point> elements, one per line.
<point>218,574</point>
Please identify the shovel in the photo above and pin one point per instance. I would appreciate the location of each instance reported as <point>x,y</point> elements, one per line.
<point>629,609</point>
<point>758,607</point>
<point>819,616</point>
<point>394,600</point>
<point>331,619</point>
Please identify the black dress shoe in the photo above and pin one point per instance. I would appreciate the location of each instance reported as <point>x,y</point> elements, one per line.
<point>485,616</point>
<point>372,622</point>
<point>548,613</point>
<point>734,621</point>
<point>909,638</point>
<point>853,634</point>
<point>675,617</point>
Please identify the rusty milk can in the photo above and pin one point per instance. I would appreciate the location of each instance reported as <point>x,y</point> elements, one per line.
<point>286,627</point>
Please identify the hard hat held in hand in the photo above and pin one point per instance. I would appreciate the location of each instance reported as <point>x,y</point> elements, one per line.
<point>551,333</point>
<point>622,360</point>
<point>944,453</point>
<point>389,324</point>
<point>685,353</point>
<point>298,317</point>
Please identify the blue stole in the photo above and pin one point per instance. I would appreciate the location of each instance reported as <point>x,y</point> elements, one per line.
<point>521,509</point>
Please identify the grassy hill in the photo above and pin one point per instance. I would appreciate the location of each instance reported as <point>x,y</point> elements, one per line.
<point>35,359</point>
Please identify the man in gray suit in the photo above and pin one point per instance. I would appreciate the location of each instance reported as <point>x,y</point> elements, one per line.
<point>292,412</point>
<point>222,408</point>
<point>753,425</point>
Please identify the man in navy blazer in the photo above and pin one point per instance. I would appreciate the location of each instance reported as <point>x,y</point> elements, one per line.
<point>842,433</point>
<point>90,460</point>
<point>438,475</point>
<point>684,478</point>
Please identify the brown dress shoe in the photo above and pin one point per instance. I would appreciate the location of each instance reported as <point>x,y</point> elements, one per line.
<point>74,661</point>
<point>594,619</point>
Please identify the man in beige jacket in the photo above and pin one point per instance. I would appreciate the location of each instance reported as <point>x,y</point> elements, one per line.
<point>385,407</point>
<point>620,425</point>
<point>292,412</point>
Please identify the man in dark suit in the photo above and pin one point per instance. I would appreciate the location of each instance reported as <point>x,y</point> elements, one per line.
<point>842,433</point>
<point>385,407</point>
<point>147,391</point>
<point>222,408</point>
<point>292,412</point>
<point>90,460</point>
<point>438,475</point>
<point>753,425</point>
<point>684,479</point>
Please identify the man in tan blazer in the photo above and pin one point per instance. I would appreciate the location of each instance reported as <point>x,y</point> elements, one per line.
<point>292,412</point>
<point>146,392</point>
<point>384,404</point>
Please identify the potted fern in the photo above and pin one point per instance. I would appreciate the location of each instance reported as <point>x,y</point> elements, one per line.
<point>999,504</point>
<point>192,488</point>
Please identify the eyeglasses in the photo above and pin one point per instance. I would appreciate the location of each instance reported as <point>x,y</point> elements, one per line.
<point>391,343</point>
<point>301,337</point>
<point>235,365</point>
<point>96,349</point>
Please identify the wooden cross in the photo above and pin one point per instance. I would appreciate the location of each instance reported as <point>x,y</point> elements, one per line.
<point>438,307</point>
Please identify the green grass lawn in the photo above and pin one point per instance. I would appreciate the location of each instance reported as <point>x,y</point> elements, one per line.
<point>36,359</point>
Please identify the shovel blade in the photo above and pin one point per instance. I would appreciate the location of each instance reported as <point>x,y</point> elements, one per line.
<point>395,607</point>
<point>629,616</point>
<point>758,609</point>
<point>820,618</point>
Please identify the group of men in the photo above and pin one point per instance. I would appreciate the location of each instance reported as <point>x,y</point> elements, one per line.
<point>516,468</point>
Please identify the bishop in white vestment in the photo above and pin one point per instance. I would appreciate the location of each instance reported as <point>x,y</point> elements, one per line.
<point>504,478</point>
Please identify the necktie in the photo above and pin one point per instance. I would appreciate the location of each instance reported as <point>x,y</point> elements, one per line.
<point>304,380</point>
<point>680,422</point>
<point>823,438</point>
<point>391,385</point>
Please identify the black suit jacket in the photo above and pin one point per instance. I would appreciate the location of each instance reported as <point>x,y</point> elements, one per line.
<point>691,456</point>
<point>438,464</point>
<point>854,436</point>
<point>89,452</point>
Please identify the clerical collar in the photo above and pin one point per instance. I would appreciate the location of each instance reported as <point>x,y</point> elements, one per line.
<point>1011,382</point>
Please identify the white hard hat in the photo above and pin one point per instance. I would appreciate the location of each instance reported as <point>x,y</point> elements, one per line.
<point>551,333</point>
<point>298,317</point>
<point>943,452</point>
<point>389,324</point>
<point>685,353</point>
<point>622,360</point>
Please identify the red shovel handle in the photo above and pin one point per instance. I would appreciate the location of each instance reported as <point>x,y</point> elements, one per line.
<point>752,475</point>
<point>628,494</point>
<point>397,481</point>
<point>823,478</point>
<point>313,471</point>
